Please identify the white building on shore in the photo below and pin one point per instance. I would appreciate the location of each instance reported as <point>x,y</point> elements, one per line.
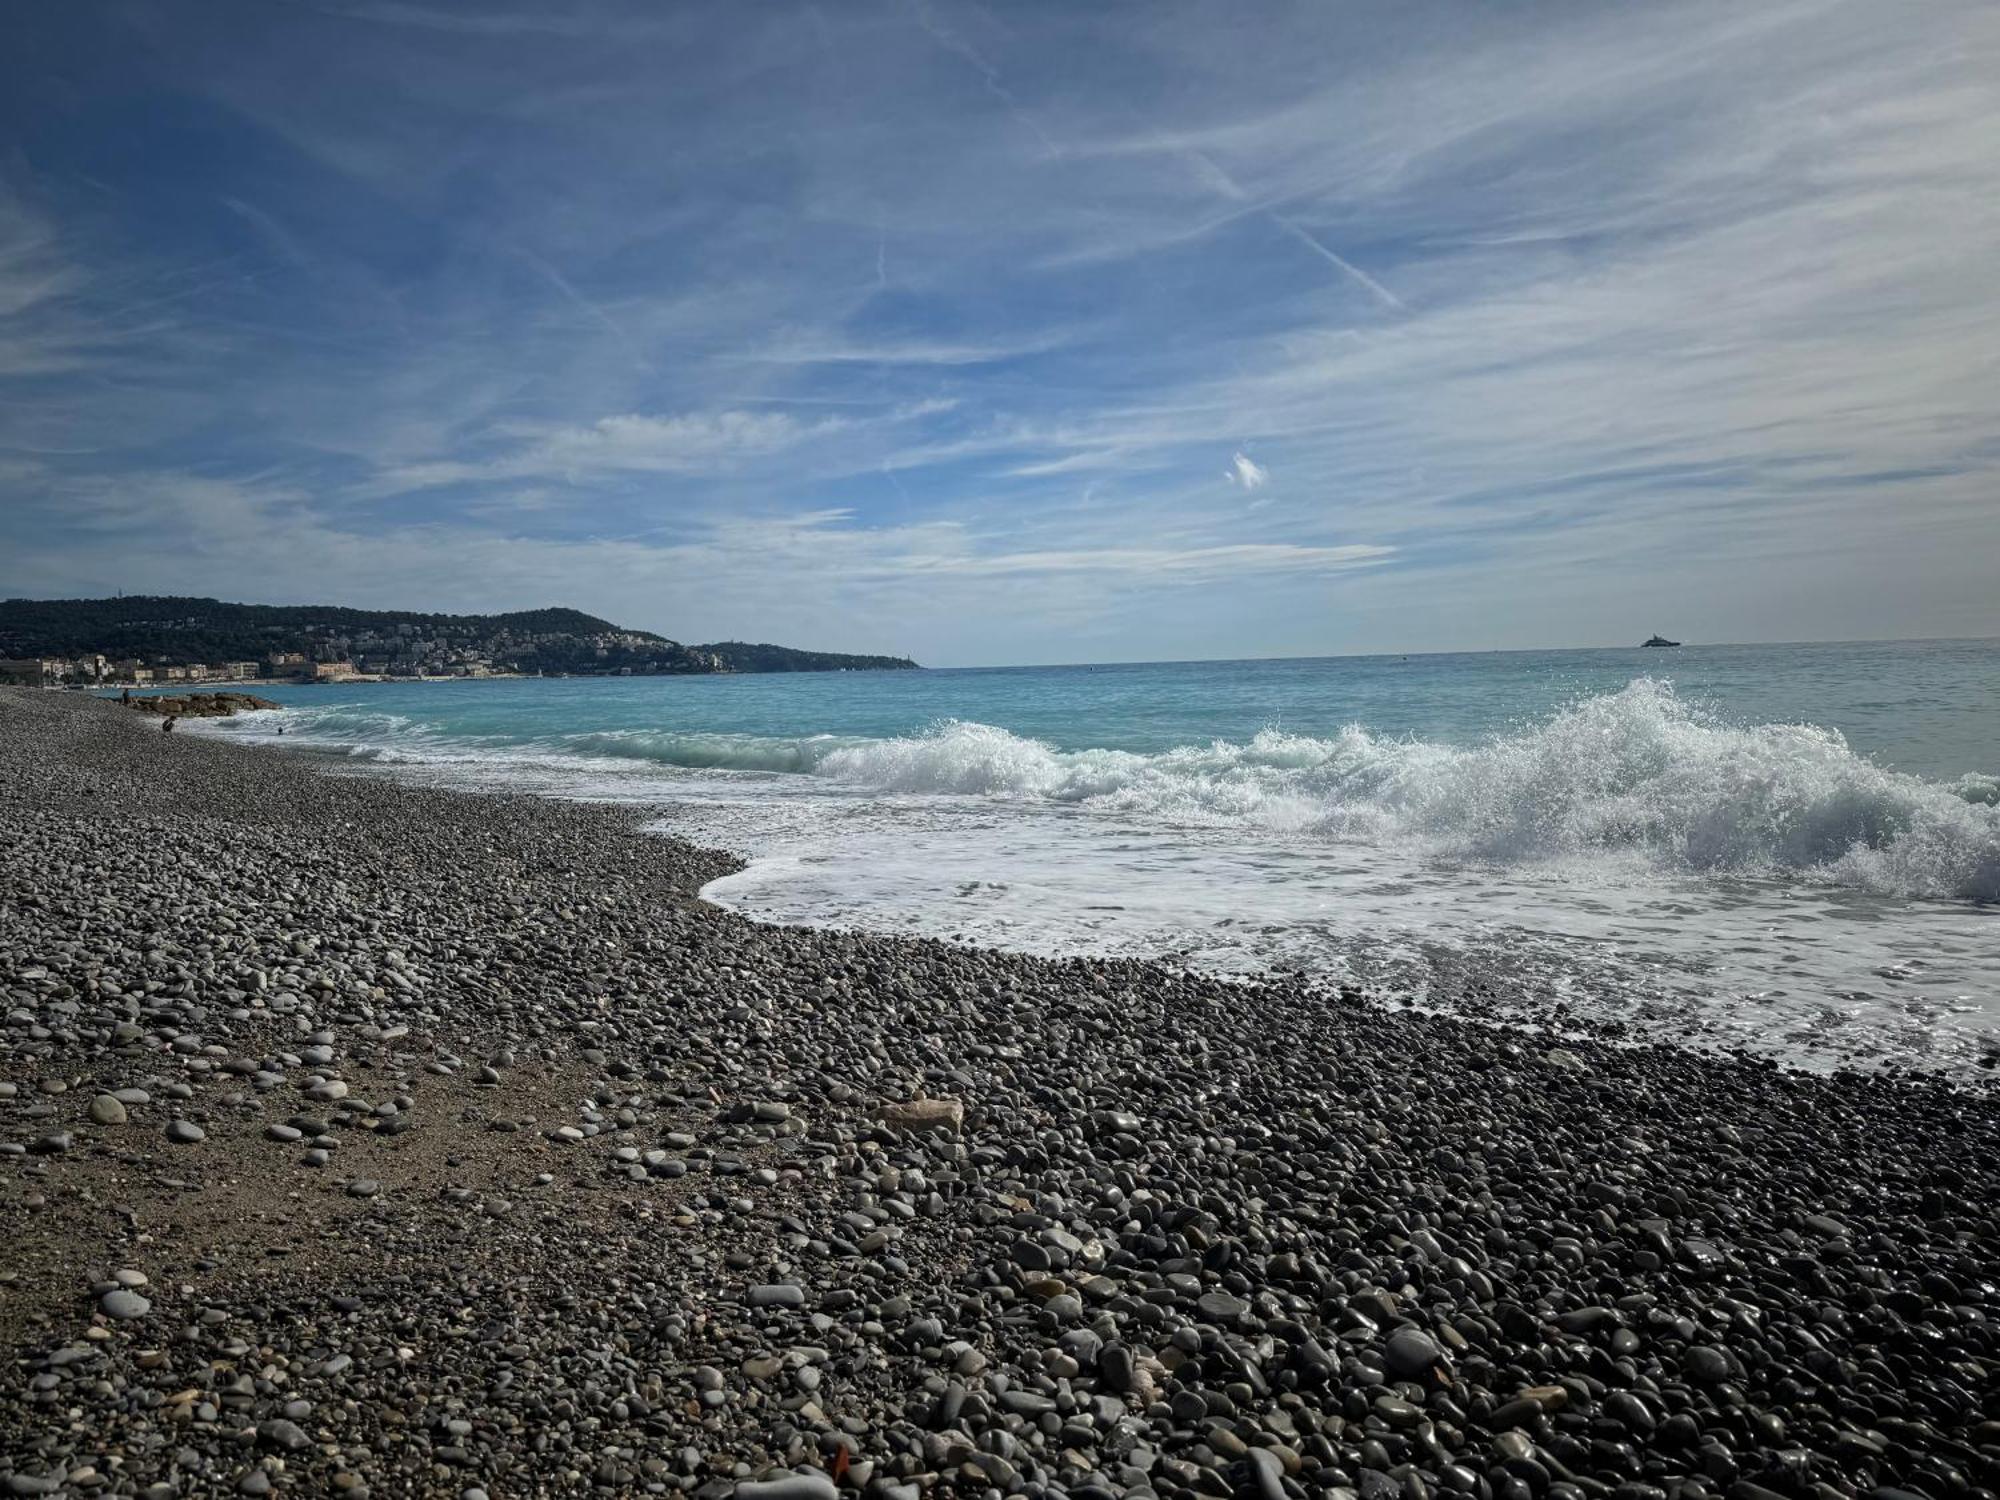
<point>54,671</point>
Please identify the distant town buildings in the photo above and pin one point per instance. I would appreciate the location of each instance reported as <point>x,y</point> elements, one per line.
<point>46,671</point>
<point>26,669</point>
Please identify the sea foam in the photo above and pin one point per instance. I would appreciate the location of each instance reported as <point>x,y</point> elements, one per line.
<point>1634,772</point>
<point>1640,774</point>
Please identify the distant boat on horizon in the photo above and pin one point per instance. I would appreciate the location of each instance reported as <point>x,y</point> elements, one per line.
<point>1658,640</point>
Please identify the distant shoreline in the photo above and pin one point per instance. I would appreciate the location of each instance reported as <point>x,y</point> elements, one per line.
<point>223,683</point>
<point>234,684</point>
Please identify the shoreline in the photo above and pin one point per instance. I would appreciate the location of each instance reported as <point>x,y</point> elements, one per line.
<point>1785,974</point>
<point>623,1193</point>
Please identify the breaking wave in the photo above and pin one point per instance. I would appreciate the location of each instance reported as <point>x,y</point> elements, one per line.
<point>1639,773</point>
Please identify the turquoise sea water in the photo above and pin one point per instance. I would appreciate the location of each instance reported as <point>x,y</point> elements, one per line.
<point>1796,845</point>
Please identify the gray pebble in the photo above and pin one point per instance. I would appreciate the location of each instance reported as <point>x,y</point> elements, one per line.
<point>124,1303</point>
<point>788,1487</point>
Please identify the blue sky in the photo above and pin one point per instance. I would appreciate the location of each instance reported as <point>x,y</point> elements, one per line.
<point>1022,333</point>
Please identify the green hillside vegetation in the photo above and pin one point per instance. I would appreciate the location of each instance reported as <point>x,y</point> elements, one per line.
<point>170,630</point>
<point>742,656</point>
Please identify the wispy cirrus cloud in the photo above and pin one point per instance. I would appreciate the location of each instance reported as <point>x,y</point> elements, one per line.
<point>1166,563</point>
<point>695,442</point>
<point>941,321</point>
<point>35,278</point>
<point>704,443</point>
<point>817,350</point>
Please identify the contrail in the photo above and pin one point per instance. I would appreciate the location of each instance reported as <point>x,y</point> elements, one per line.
<point>920,11</point>
<point>583,304</point>
<point>1387,297</point>
<point>279,238</point>
<point>570,294</point>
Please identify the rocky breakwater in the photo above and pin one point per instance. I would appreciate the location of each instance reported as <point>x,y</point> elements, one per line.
<point>198,705</point>
<point>357,1139</point>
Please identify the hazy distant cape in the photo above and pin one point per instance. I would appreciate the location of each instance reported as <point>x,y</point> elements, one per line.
<point>173,631</point>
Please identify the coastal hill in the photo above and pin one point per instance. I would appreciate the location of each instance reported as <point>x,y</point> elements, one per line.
<point>168,631</point>
<point>742,656</point>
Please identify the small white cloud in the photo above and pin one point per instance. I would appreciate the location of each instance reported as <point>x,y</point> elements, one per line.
<point>1246,473</point>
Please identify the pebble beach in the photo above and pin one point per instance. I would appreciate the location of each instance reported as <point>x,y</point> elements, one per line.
<point>364,1139</point>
